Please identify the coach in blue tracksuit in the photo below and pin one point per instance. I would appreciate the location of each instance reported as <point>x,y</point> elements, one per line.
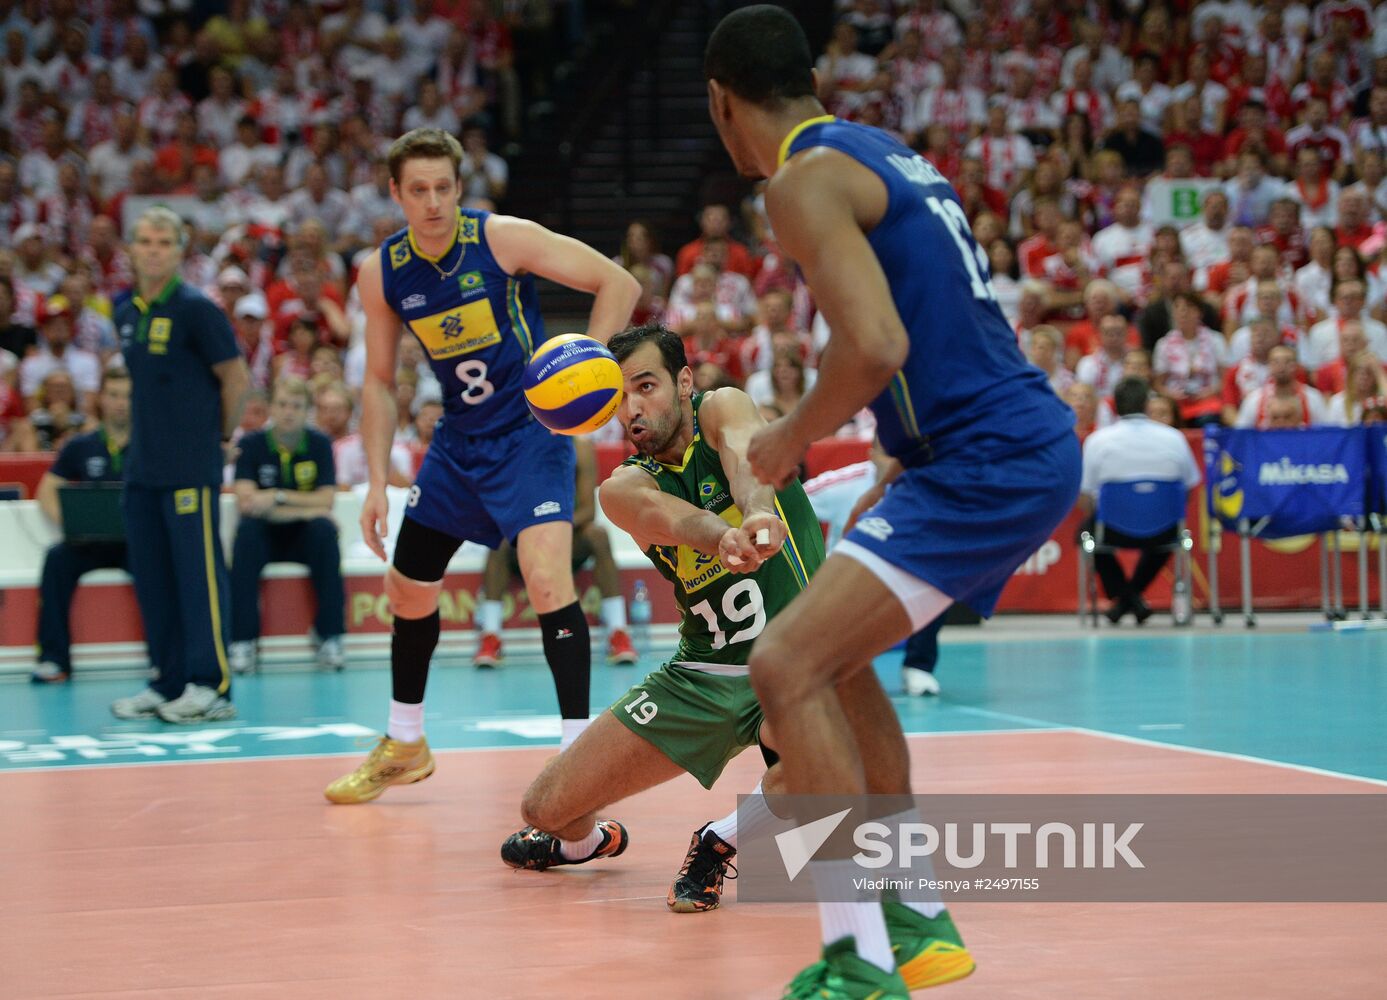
<point>189,382</point>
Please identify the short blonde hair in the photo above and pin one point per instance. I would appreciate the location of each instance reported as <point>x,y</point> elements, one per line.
<point>294,386</point>
<point>163,217</point>
<point>423,144</point>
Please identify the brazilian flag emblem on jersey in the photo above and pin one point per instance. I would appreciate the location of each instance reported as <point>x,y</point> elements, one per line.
<point>708,488</point>
<point>470,281</point>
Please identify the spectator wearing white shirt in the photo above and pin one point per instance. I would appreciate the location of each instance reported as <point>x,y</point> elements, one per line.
<point>371,202</point>
<point>1047,353</point>
<point>1249,372</point>
<point>1282,387</point>
<point>430,112</point>
<point>135,69</point>
<point>1322,343</point>
<point>332,414</point>
<point>1206,242</point>
<point>109,163</point>
<point>239,160</point>
<point>34,272</point>
<point>1312,282</point>
<point>428,37</point>
<point>1365,386</point>
<point>1110,66</point>
<point>1103,368</point>
<point>1122,248</point>
<point>1152,96</point>
<point>1213,96</point>
<point>1134,448</point>
<point>485,175</point>
<point>1007,158</point>
<point>219,112</point>
<point>1188,363</point>
<point>847,78</point>
<point>1251,191</point>
<point>317,200</point>
<point>57,326</point>
<point>1316,193</point>
<point>352,26</point>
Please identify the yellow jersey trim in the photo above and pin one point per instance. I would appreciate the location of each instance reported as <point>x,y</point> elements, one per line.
<point>794,134</point>
<point>792,550</point>
<point>414,244</point>
<point>209,560</point>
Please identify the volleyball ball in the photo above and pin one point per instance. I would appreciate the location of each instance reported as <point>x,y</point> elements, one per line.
<point>573,384</point>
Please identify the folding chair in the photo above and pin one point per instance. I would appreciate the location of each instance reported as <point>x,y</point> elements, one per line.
<point>1142,508</point>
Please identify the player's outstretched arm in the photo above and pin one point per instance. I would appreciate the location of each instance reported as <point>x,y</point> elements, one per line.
<point>633,502</point>
<point>729,420</point>
<point>377,400</point>
<point>821,205</point>
<point>521,246</point>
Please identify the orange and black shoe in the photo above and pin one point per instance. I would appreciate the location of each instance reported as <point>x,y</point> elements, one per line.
<point>534,850</point>
<point>698,886</point>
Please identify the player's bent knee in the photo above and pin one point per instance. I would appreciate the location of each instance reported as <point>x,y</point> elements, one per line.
<point>411,598</point>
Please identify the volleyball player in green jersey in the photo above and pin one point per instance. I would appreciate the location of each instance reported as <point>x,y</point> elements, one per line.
<point>691,503</point>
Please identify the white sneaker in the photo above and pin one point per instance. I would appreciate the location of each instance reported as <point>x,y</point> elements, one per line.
<point>331,655</point>
<point>919,682</point>
<point>48,672</point>
<point>138,706</point>
<point>243,657</point>
<point>196,704</point>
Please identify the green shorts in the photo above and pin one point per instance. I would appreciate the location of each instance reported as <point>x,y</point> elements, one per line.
<point>697,719</point>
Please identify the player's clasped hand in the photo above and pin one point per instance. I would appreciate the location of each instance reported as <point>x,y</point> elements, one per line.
<point>374,523</point>
<point>775,452</point>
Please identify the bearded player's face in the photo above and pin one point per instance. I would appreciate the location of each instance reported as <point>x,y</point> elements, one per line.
<point>651,408</point>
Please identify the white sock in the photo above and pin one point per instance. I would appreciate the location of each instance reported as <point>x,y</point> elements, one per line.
<point>863,921</point>
<point>489,617</point>
<point>925,902</point>
<point>577,850</point>
<point>406,721</point>
<point>614,612</point>
<point>572,729</point>
<point>754,814</point>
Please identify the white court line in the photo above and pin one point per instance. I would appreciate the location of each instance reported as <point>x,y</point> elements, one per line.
<point>53,768</point>
<point>1140,741</point>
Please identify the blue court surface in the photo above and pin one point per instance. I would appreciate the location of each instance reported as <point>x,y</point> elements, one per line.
<point>1312,701</point>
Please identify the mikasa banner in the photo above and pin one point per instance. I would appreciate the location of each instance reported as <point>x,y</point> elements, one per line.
<point>1303,480</point>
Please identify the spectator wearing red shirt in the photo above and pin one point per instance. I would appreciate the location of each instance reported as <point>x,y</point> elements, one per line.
<point>1331,377</point>
<point>1101,299</point>
<point>1323,84</point>
<point>1353,229</point>
<point>174,161</point>
<point>1250,373</point>
<point>1254,133</point>
<point>1316,133</point>
<point>1284,232</point>
<point>1185,129</point>
<point>975,194</point>
<point>714,223</point>
<point>1033,252</point>
<point>1236,268</point>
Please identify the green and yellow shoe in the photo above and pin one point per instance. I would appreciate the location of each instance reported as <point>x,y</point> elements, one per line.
<point>842,975</point>
<point>928,950</point>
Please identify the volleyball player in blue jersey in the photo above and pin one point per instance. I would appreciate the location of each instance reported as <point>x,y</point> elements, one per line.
<point>986,461</point>
<point>463,283</point>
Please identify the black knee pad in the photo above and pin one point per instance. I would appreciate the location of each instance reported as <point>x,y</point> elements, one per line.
<point>422,553</point>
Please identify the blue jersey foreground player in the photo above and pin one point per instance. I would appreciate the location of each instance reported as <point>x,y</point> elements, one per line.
<point>463,282</point>
<point>986,462</point>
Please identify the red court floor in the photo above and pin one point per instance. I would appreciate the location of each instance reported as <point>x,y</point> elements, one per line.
<point>236,879</point>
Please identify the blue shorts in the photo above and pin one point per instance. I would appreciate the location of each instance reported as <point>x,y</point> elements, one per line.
<point>965,527</point>
<point>489,489</point>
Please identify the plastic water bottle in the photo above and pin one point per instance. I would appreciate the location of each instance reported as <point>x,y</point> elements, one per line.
<point>640,616</point>
<point>1180,605</point>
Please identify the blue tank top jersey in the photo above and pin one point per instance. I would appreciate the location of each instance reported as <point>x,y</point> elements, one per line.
<point>965,389</point>
<point>478,325</point>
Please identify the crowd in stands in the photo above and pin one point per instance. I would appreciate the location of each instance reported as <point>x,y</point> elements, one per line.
<point>265,128</point>
<point>1188,193</point>
<point>1191,193</point>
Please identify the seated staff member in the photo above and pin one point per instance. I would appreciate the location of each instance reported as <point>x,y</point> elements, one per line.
<point>285,484</point>
<point>98,456</point>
